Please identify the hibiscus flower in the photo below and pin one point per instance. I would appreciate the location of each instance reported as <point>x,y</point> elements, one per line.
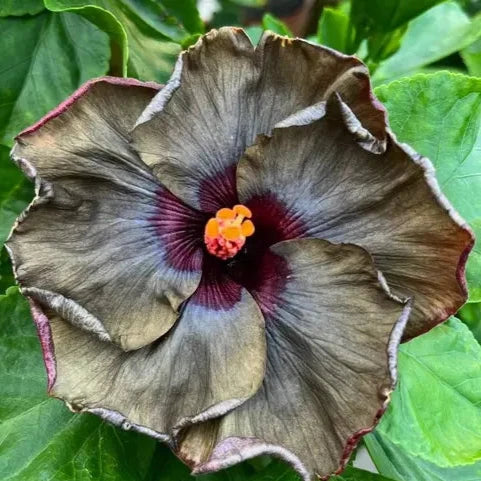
<point>228,263</point>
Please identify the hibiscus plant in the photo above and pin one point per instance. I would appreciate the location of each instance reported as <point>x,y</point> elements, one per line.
<point>243,245</point>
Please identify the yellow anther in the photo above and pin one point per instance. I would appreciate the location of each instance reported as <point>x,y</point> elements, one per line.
<point>225,213</point>
<point>242,210</point>
<point>247,228</point>
<point>212,228</point>
<point>232,232</point>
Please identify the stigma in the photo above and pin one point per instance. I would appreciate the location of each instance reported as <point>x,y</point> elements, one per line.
<point>226,233</point>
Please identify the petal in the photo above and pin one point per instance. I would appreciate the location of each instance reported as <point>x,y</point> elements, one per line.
<point>333,186</point>
<point>223,93</point>
<point>332,340</point>
<point>103,244</point>
<point>211,361</point>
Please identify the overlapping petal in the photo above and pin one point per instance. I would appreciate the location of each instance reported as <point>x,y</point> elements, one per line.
<point>224,92</point>
<point>326,170</point>
<point>93,246</point>
<point>332,336</point>
<point>211,361</point>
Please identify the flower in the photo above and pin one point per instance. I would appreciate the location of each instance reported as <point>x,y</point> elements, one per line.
<point>204,260</point>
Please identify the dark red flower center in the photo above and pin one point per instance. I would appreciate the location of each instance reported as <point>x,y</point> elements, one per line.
<point>247,262</point>
<point>231,252</point>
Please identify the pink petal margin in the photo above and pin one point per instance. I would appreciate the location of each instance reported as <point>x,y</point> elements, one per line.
<point>46,342</point>
<point>80,92</point>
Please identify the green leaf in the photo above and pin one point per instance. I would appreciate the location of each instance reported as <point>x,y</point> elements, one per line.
<point>354,474</point>
<point>383,24</point>
<point>190,41</point>
<point>152,55</point>
<point>44,59</point>
<point>472,58</point>
<point>440,116</point>
<point>473,271</point>
<point>151,58</point>
<point>470,314</point>
<point>163,17</point>
<point>19,8</point>
<point>382,45</point>
<point>169,19</point>
<point>333,29</point>
<point>472,7</point>
<point>6,275</point>
<point>384,16</point>
<point>173,469</point>
<point>435,411</point>
<point>250,3</point>
<point>273,470</point>
<point>144,34</point>
<point>269,22</point>
<point>255,33</point>
<point>393,461</point>
<point>186,11</point>
<point>15,193</point>
<point>105,21</point>
<point>439,32</point>
<point>41,439</point>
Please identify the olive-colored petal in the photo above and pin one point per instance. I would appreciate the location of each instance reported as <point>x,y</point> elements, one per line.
<point>211,361</point>
<point>224,92</point>
<point>332,341</point>
<point>103,244</point>
<point>333,180</point>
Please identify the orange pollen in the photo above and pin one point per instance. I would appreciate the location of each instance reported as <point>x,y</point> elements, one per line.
<point>226,233</point>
